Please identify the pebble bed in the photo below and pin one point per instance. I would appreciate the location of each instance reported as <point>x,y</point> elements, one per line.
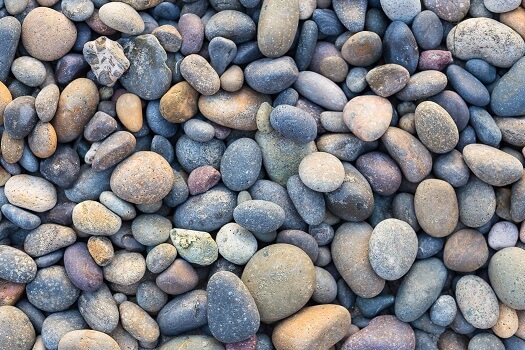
<point>262,174</point>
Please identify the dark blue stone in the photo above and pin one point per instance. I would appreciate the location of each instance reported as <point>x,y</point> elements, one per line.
<point>371,307</point>
<point>156,121</point>
<point>487,131</point>
<point>20,217</point>
<point>192,154</point>
<point>466,137</point>
<point>484,71</point>
<point>166,10</point>
<point>247,52</point>
<point>29,161</point>
<point>70,67</point>
<point>271,76</point>
<point>184,313</point>
<point>306,45</point>
<point>222,51</point>
<point>376,21</point>
<point>163,146</point>
<point>428,30</point>
<point>322,233</point>
<point>400,46</point>
<point>62,168</point>
<point>454,105</point>
<point>327,22</point>
<point>428,246</point>
<point>294,123</point>
<point>83,36</point>
<point>287,97</point>
<point>468,86</point>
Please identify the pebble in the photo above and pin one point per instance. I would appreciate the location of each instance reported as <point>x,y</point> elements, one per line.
<point>381,172</point>
<point>371,307</point>
<point>434,60</point>
<point>309,204</point>
<point>191,28</point>
<point>325,287</point>
<point>88,340</point>
<point>62,168</point>
<point>468,86</point>
<point>230,24</point>
<point>465,251</point>
<point>93,218</point>
<point>503,234</point>
<point>382,332</point>
<point>449,11</point>
<point>16,330</point>
<point>387,79</point>
<point>443,311</point>
<point>114,149</point>
<point>302,240</point>
<point>20,217</point>
<point>392,248</point>
<point>507,324</point>
<point>48,238</point>
<point>20,117</point>
<point>202,179</point>
<point>435,127</point>
<point>404,11</point>
<point>77,10</point>
<point>184,313</point>
<point>200,74</point>
<point>259,215</point>
<point>101,250</point>
<point>160,257</point>
<point>179,103</point>
<point>16,266</point>
<point>502,48</point>
<point>193,341</point>
<point>368,117</point>
<point>485,340</point>
<point>10,30</point>
<point>316,327</point>
<point>169,37</point>
<point>51,290</point>
<point>129,111</point>
<point>506,276</point>
<point>362,49</point>
<point>241,164</point>
<point>180,277</point>
<point>486,128</point>
<point>320,90</point>
<point>138,323</point>
<point>400,46</point>
<point>477,301</point>
<point>280,288</point>
<point>47,35</point>
<point>294,123</point>
<point>42,141</point>
<point>232,79</point>
<point>30,192</point>
<point>506,98</point>
<point>427,29</point>
<point>236,244</point>
<point>195,246</point>
<point>325,164</point>
<point>423,85</point>
<point>126,268</point>
<point>275,41</point>
<point>477,202</point>
<point>58,324</point>
<point>121,17</point>
<point>28,71</point>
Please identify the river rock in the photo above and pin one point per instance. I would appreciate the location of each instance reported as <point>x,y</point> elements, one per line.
<point>179,103</point>
<point>368,117</point>
<point>121,17</point>
<point>126,268</point>
<point>88,340</point>
<point>10,30</point>
<point>138,323</point>
<point>194,246</point>
<point>477,301</point>
<point>52,290</point>
<point>507,278</point>
<point>241,164</point>
<point>30,192</point>
<point>275,40</point>
<point>107,60</point>
<point>16,266</point>
<point>93,218</point>
<point>465,251</point>
<point>507,96</point>
<point>387,79</point>
<point>320,90</point>
<point>435,127</point>
<point>99,309</point>
<point>184,313</point>
<point>16,330</point>
<point>48,238</point>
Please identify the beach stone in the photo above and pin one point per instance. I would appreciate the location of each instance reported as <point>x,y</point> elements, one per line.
<point>514,19</point>
<point>81,269</point>
<point>160,257</point>
<point>506,276</point>
<point>113,150</point>
<point>202,179</point>
<point>325,287</point>
<point>88,340</point>
<point>16,266</point>
<point>302,240</point>
<point>191,28</point>
<point>309,204</point>
<point>497,6</point>
<point>392,248</point>
<point>435,127</point>
<point>16,330</point>
<point>20,217</point>
<point>169,37</point>
<point>242,154</point>
<point>485,341</point>
<point>77,10</point>
<point>236,244</point>
<point>491,165</point>
<point>195,246</point>
<point>420,289</point>
<point>232,79</point>
<point>77,104</point>
<point>51,290</point>
<point>404,11</point>
<point>47,34</point>
<point>368,117</point>
<point>314,327</point>
<point>10,30</point>
<point>410,154</point>
<point>293,123</point>
<point>400,46</point>
<point>434,60</point>
<point>179,103</point>
<point>93,218</point>
<point>48,238</point>
<point>486,128</point>
<point>362,49</point>
<point>384,332</point>
<point>351,257</point>
<point>30,192</point>
<point>477,301</point>
<point>381,172</point>
<point>451,11</point>
<point>502,48</point>
<point>323,163</point>
<point>28,71</point>
<point>502,235</point>
<point>259,215</point>
<point>506,97</point>
<point>507,324</point>
<point>10,292</point>
<point>62,168</point>
<point>151,229</point>
<point>193,341</point>
<point>230,24</point>
<point>145,51</point>
<point>20,117</point>
<point>121,17</point>
<point>222,51</point>
<point>142,178</point>
<point>56,325</point>
<point>200,74</point>
<point>320,90</point>
<point>422,85</point>
<point>235,110</point>
<point>275,41</point>
<point>467,86</point>
<point>271,76</point>
<point>101,250</point>
<point>277,298</point>
<point>387,79</point>
<point>443,311</point>
<point>42,141</point>
<point>428,30</point>
<point>129,111</point>
<point>180,277</point>
<point>126,268</point>
<point>223,315</point>
<point>433,194</point>
<point>184,313</point>
<point>199,130</point>
<point>477,202</point>
<point>138,323</point>
<point>192,154</point>
<point>465,251</point>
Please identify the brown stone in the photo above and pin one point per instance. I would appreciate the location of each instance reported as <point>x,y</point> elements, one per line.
<point>5,98</point>
<point>12,148</point>
<point>515,19</point>
<point>178,278</point>
<point>508,322</point>
<point>202,179</point>
<point>179,103</point>
<point>465,251</point>
<point>10,292</point>
<point>43,140</point>
<point>129,111</point>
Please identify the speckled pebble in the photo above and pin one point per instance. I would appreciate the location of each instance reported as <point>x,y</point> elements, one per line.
<point>195,246</point>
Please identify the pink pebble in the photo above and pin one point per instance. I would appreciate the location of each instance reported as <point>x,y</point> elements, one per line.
<point>202,179</point>
<point>434,59</point>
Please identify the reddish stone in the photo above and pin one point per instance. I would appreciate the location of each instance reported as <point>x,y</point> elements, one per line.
<point>434,60</point>
<point>202,179</point>
<point>10,292</point>
<point>248,344</point>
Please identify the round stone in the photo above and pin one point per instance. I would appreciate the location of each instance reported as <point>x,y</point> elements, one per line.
<point>259,215</point>
<point>368,117</point>
<point>52,290</point>
<point>507,277</point>
<point>121,17</point>
<point>435,127</point>
<point>93,218</point>
<point>465,251</point>
<point>383,332</point>
<point>138,323</point>
<point>322,172</point>
<point>281,279</point>
<point>236,244</point>
<point>387,79</point>
<point>129,111</point>
<point>477,301</point>
<point>392,248</point>
<point>16,330</point>
<point>126,268</point>
<point>502,235</point>
<point>179,103</point>
<point>508,322</point>
<point>151,229</point>
<point>443,311</point>
<point>362,49</point>
<point>29,71</point>
<point>47,34</point>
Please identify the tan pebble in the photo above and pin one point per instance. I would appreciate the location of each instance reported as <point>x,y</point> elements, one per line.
<point>94,218</point>
<point>43,140</point>
<point>12,148</point>
<point>515,19</point>
<point>46,102</point>
<point>30,192</point>
<point>508,322</point>
<point>129,111</point>
<point>232,79</point>
<point>87,340</point>
<point>315,327</point>
<point>520,332</point>
<point>179,103</point>
<point>4,176</point>
<point>5,98</point>
<point>101,249</point>
<point>263,118</point>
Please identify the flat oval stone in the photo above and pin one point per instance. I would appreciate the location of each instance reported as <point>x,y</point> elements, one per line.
<point>477,202</point>
<point>56,325</point>
<point>129,111</point>
<point>180,277</point>
<point>381,172</point>
<point>362,49</point>
<point>20,116</point>
<point>241,164</point>
<point>278,286</point>
<point>309,203</point>
<point>179,103</point>
<point>392,249</point>
<point>230,24</point>
<point>29,71</point>
<point>236,110</point>
<point>10,29</point>
<point>486,128</point>
<point>477,301</point>
<point>508,322</point>
<point>195,247</point>
<point>420,288</point>
<point>506,276</point>
<point>230,322</point>
<point>193,341</point>
<point>16,330</point>
<point>81,269</point>
<point>351,257</point>
<point>51,290</point>
<point>387,79</point>
<point>468,86</point>
<point>368,117</point>
<point>143,178</point>
<point>184,313</point>
<point>275,40</point>
<point>138,323</point>
<point>294,123</point>
<point>271,76</point>
<point>314,327</point>
<point>401,11</point>
<point>320,90</point>
<point>506,98</point>
<point>99,309</point>
<point>435,127</point>
<point>422,85</point>
<point>436,206</point>
<point>121,17</point>
<point>322,172</point>
<point>492,165</point>
<point>20,217</point>
<point>428,30</point>
<point>47,34</point>
<point>16,266</point>
<point>470,39</point>
<point>126,268</point>
<point>194,154</point>
<point>451,11</point>
<point>259,216</point>
<point>88,340</point>
<point>465,251</point>
<point>236,244</point>
<point>77,104</point>
<point>113,150</point>
<point>383,332</point>
<point>42,141</point>
<point>30,192</point>
<point>409,153</point>
<point>48,238</point>
<point>93,218</point>
<point>160,257</point>
<point>400,46</point>
<point>200,74</point>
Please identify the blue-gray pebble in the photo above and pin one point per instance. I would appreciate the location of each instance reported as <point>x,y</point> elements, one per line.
<point>241,164</point>
<point>259,215</point>
<point>184,313</point>
<point>271,75</point>
<point>468,86</point>
<point>309,204</point>
<point>294,123</point>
